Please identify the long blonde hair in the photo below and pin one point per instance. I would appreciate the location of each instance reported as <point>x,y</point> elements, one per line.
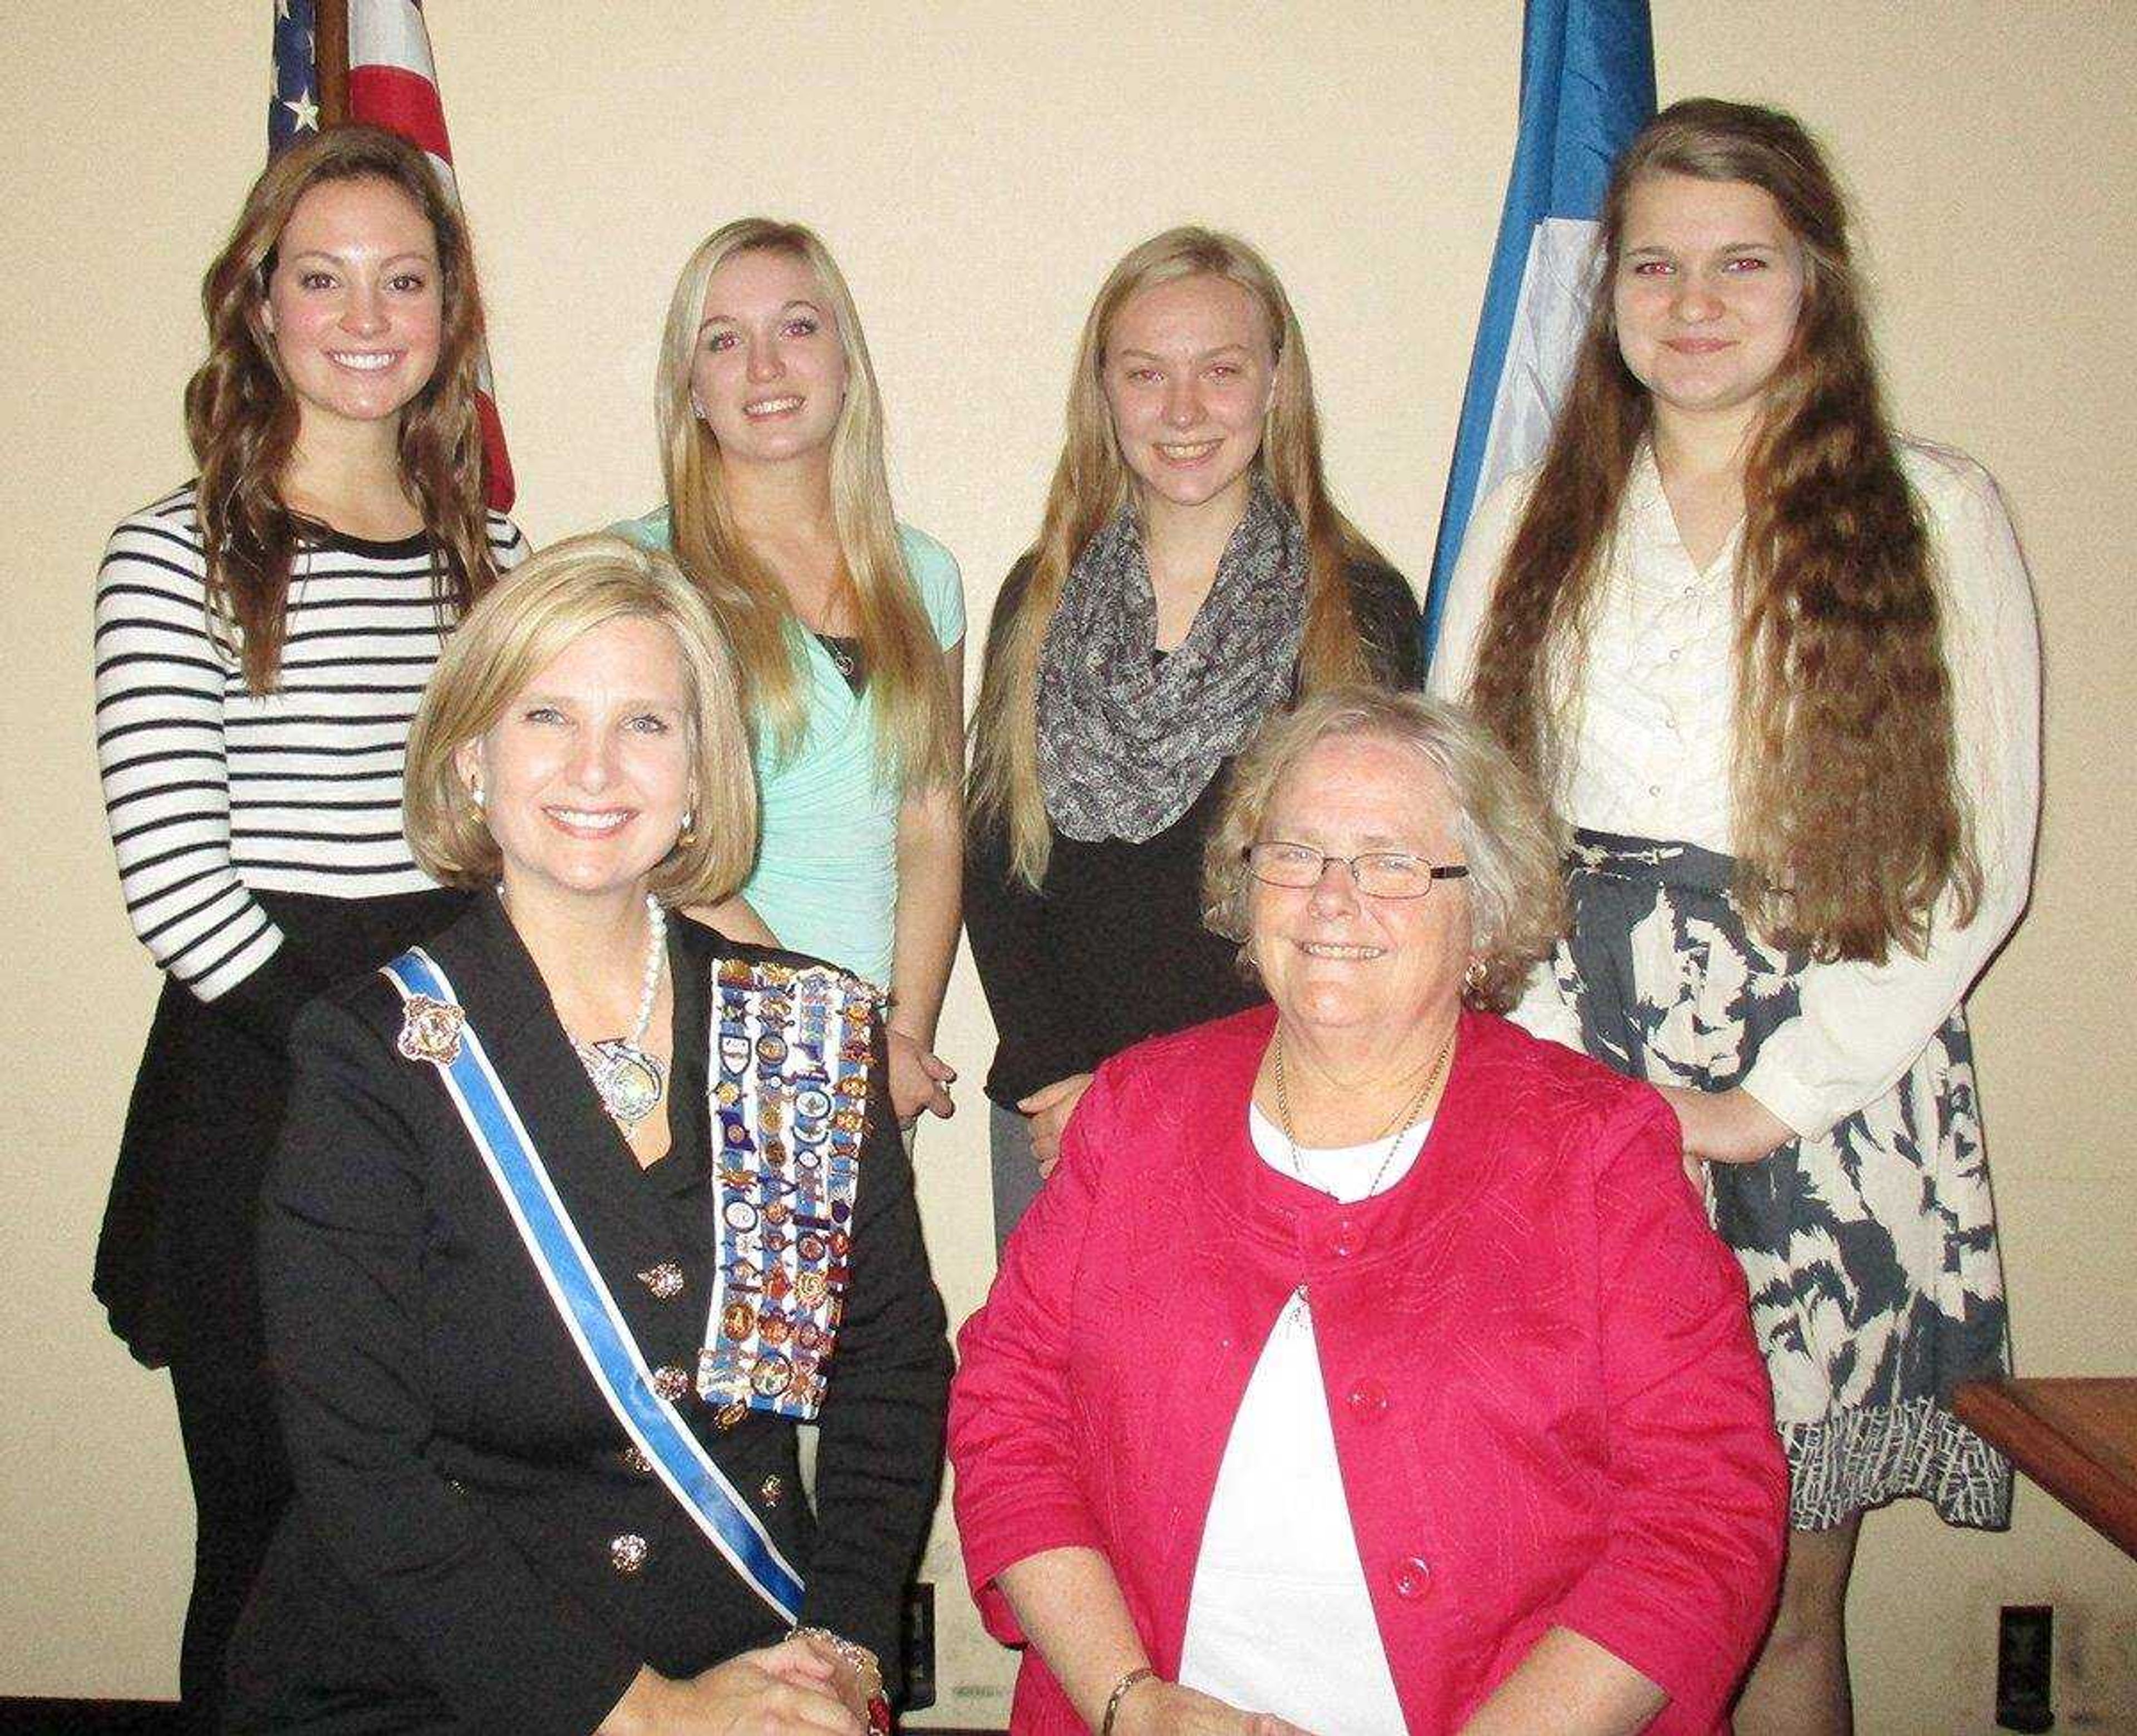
<point>1849,820</point>
<point>241,412</point>
<point>1092,482</point>
<point>915,712</point>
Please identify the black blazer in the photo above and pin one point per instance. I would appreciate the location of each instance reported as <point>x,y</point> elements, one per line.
<point>458,1557</point>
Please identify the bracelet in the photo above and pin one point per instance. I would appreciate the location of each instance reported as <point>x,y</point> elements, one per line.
<point>864,1663</point>
<point>1141,1673</point>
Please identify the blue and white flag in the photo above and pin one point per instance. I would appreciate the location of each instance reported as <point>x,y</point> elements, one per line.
<point>1587,86</point>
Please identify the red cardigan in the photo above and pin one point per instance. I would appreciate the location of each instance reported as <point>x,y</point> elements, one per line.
<point>1548,1408</point>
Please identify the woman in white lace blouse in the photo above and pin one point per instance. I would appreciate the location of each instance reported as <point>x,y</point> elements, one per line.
<point>1780,668</point>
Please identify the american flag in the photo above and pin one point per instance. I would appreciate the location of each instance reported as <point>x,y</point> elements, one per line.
<point>393,84</point>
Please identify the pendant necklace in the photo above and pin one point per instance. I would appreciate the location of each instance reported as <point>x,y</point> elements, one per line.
<point>1400,1125</point>
<point>628,1080</point>
<point>840,651</point>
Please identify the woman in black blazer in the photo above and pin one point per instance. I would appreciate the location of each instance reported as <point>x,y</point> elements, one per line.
<point>482,1539</point>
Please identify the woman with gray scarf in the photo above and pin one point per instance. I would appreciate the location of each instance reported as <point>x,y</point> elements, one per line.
<point>1191,575</point>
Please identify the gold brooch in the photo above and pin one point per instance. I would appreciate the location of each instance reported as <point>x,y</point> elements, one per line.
<point>431,1030</point>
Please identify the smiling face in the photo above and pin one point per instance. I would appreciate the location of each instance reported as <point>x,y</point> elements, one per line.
<point>1709,284</point>
<point>1343,966</point>
<point>1189,367</point>
<point>586,775</point>
<point>768,374</point>
<point>355,303</point>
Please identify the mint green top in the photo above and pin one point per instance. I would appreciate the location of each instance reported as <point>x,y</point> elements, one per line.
<point>826,876</point>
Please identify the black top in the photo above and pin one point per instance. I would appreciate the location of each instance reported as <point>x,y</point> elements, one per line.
<point>849,657</point>
<point>1112,948</point>
<point>174,1261</point>
<point>470,1549</point>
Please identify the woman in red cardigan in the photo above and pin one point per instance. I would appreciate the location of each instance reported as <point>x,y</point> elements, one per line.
<point>1368,1365</point>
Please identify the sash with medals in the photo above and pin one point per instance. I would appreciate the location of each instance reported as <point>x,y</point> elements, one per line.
<point>789,1045</point>
<point>790,1066</point>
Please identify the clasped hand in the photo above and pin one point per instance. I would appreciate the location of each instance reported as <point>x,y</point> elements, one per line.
<point>1050,1108</point>
<point>1725,1127</point>
<point>919,1079</point>
<point>798,1687</point>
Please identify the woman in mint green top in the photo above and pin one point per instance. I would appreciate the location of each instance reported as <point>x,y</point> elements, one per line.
<point>825,879</point>
<point>848,628</point>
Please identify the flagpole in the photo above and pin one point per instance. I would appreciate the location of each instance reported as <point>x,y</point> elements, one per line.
<point>330,32</point>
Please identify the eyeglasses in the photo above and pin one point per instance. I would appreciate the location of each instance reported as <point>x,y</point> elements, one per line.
<point>1376,873</point>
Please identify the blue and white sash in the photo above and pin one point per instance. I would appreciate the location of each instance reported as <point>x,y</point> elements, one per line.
<point>436,1030</point>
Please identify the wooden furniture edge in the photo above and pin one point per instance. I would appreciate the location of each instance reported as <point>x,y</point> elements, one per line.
<point>1999,1411</point>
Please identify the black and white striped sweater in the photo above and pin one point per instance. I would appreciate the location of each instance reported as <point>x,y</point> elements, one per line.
<point>214,792</point>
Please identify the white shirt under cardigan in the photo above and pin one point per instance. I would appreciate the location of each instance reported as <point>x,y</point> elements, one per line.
<point>1651,733</point>
<point>1279,1619</point>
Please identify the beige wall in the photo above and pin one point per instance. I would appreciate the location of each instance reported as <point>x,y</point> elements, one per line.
<point>977,167</point>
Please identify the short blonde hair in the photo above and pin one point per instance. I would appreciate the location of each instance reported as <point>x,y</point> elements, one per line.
<point>1505,831</point>
<point>518,630</point>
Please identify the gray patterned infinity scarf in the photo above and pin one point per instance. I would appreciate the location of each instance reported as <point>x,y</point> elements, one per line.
<point>1128,741</point>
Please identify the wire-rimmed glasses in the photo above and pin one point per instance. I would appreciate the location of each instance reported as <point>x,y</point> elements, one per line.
<point>1376,873</point>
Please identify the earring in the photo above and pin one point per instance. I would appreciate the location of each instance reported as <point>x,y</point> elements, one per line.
<point>475,793</point>
<point>689,831</point>
<point>1473,979</point>
<point>697,407</point>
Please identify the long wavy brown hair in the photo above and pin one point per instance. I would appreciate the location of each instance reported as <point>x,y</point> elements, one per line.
<point>1092,482</point>
<point>241,415</point>
<point>916,713</point>
<point>1849,825</point>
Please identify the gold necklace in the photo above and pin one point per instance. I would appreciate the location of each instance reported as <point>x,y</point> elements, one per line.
<point>1401,1124</point>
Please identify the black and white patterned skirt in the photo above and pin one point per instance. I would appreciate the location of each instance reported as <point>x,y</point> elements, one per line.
<point>1871,1250</point>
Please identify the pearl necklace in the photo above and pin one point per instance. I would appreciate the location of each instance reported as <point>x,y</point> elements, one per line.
<point>628,1081</point>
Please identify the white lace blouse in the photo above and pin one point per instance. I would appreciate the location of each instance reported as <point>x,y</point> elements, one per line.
<point>1650,732</point>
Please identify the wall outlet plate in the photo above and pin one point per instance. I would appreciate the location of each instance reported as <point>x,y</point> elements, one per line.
<point>2025,1663</point>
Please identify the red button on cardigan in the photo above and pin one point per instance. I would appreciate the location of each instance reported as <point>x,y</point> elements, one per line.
<point>1412,1579</point>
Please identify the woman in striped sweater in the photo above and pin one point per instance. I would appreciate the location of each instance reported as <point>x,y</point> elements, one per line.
<point>262,636</point>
